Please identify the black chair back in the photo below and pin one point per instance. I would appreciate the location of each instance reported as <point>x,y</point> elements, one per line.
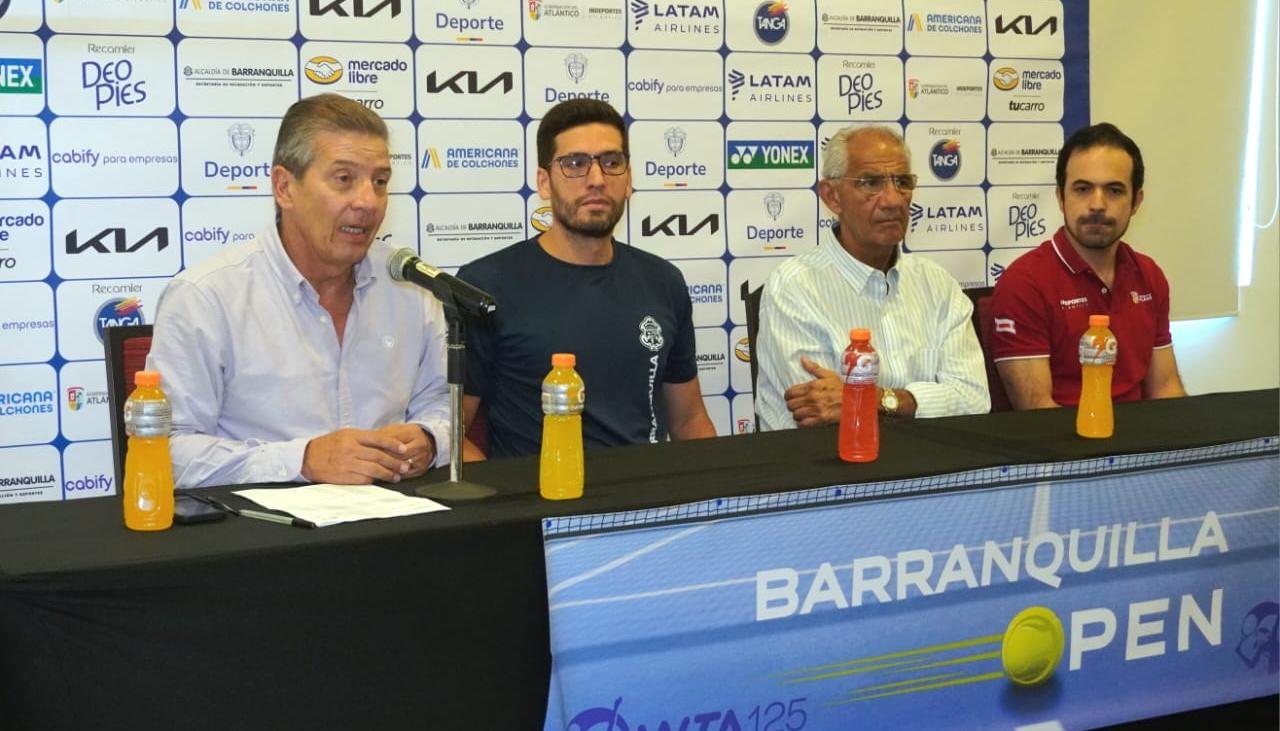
<point>751,299</point>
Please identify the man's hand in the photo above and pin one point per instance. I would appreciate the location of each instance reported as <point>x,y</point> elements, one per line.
<point>358,457</point>
<point>419,451</point>
<point>815,402</point>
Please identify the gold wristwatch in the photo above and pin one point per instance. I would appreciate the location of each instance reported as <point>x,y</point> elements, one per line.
<point>889,401</point>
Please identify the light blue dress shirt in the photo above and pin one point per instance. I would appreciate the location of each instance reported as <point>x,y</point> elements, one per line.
<point>253,368</point>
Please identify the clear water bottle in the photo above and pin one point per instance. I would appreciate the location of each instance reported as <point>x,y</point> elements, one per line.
<point>148,469</point>
<point>1098,348</point>
<point>560,475</point>
<point>859,411</point>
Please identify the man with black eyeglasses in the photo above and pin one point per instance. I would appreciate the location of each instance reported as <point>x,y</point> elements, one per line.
<point>623,312</point>
<point>859,277</point>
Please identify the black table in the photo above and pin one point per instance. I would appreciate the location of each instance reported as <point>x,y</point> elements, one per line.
<point>434,621</point>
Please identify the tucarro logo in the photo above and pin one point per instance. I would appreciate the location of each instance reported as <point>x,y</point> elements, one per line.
<point>772,21</point>
<point>1024,25</point>
<point>358,9</point>
<point>119,241</point>
<point>117,311</point>
<point>681,225</point>
<point>21,76</point>
<point>944,159</point>
<point>770,155</point>
<point>473,86</point>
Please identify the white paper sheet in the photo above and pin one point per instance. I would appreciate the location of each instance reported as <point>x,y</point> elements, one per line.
<point>325,504</point>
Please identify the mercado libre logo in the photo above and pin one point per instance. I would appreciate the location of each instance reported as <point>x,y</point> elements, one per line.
<point>323,70</point>
<point>117,311</point>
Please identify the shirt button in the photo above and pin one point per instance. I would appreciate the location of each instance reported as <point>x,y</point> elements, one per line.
<point>1104,290</point>
<point>325,318</point>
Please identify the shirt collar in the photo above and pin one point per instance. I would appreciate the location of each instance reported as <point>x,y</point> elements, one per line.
<point>1072,260</point>
<point>860,275</point>
<point>288,273</point>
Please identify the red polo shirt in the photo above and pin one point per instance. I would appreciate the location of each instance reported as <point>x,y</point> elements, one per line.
<point>1041,307</point>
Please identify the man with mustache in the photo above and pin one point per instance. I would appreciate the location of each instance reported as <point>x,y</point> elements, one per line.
<point>858,277</point>
<point>294,356</point>
<point>1042,302</point>
<point>623,312</point>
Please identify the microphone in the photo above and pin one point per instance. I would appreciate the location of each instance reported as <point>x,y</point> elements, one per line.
<point>404,266</point>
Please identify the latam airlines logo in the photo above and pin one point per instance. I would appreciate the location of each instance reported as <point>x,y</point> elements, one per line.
<point>770,87</point>
<point>21,76</point>
<point>947,218</point>
<point>353,8</point>
<point>667,16</point>
<point>117,311</point>
<point>771,155</point>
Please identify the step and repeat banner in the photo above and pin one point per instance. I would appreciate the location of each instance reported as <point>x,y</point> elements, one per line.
<point>136,140</point>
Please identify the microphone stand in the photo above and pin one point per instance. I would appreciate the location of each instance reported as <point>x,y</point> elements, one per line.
<point>456,488</point>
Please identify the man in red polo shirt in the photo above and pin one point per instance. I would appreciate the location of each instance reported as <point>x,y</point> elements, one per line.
<point>1041,304</point>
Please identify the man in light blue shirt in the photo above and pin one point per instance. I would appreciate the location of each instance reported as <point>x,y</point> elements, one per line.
<point>294,356</point>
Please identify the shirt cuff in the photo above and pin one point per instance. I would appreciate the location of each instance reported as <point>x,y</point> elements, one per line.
<point>439,431</point>
<point>281,461</point>
<point>931,399</point>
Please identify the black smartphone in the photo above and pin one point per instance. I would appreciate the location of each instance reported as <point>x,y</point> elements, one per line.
<point>187,509</point>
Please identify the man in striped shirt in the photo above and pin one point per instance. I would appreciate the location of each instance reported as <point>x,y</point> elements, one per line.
<point>930,361</point>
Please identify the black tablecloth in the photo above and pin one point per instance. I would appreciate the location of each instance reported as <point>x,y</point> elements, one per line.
<point>434,621</point>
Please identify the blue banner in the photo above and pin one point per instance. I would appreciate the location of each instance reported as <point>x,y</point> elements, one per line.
<point>1062,596</point>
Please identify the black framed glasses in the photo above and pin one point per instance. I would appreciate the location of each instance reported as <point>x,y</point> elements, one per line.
<point>875,184</point>
<point>578,164</point>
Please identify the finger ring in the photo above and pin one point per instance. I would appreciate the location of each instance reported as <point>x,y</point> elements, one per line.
<point>410,460</point>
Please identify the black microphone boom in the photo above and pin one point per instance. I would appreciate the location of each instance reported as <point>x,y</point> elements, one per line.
<point>404,266</point>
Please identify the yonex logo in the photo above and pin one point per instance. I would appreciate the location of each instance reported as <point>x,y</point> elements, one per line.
<point>771,155</point>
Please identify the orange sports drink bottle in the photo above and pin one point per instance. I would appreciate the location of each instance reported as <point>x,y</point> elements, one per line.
<point>560,474</point>
<point>859,418</point>
<point>148,470</point>
<point>1094,417</point>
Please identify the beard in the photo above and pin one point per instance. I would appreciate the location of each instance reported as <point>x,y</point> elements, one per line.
<point>1107,233</point>
<point>567,216</point>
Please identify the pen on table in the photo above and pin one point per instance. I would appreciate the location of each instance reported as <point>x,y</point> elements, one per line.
<point>257,514</point>
<point>273,518</point>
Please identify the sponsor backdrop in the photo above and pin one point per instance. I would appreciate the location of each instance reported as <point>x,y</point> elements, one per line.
<point>1078,595</point>
<point>136,139</point>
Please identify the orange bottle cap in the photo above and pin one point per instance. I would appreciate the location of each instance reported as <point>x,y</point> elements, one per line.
<point>1099,320</point>
<point>860,333</point>
<point>563,360</point>
<point>146,378</point>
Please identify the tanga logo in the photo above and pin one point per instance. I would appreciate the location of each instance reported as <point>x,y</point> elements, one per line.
<point>651,334</point>
<point>1258,637</point>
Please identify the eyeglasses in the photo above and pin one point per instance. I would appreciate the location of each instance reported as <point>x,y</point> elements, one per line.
<point>875,184</point>
<point>578,164</point>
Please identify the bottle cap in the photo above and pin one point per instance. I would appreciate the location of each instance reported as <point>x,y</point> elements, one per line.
<point>860,333</point>
<point>1099,320</point>
<point>563,360</point>
<point>146,378</point>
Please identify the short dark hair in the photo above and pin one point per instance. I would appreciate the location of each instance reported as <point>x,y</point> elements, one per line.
<point>574,113</point>
<point>1103,134</point>
<point>295,143</point>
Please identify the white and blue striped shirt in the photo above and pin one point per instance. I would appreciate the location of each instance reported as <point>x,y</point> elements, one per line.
<point>918,317</point>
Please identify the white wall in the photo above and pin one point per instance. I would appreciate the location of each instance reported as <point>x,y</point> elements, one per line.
<point>1176,78</point>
